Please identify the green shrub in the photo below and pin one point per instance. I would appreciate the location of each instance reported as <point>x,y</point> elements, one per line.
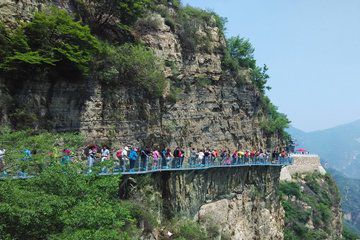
<point>43,142</point>
<point>275,122</point>
<point>187,229</point>
<point>290,189</point>
<point>51,39</point>
<point>132,65</point>
<point>190,20</point>
<point>203,81</point>
<point>173,96</point>
<point>100,14</point>
<point>150,22</point>
<point>23,119</point>
<point>242,51</point>
<point>240,54</point>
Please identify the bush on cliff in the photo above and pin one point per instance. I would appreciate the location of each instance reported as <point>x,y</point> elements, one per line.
<point>114,15</point>
<point>191,21</point>
<point>238,55</point>
<point>51,41</point>
<point>133,65</point>
<point>275,122</point>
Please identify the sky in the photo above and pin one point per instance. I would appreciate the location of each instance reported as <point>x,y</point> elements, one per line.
<point>312,49</point>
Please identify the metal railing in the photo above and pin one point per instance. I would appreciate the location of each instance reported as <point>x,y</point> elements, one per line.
<point>146,165</point>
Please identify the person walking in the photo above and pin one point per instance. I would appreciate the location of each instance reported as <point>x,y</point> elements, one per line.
<point>133,156</point>
<point>2,161</point>
<point>192,160</point>
<point>105,153</point>
<point>145,154</point>
<point>156,156</point>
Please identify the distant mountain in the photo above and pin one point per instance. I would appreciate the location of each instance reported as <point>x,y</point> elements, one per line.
<point>339,147</point>
<point>350,192</point>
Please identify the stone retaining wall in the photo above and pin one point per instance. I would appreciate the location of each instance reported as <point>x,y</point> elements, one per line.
<point>303,163</point>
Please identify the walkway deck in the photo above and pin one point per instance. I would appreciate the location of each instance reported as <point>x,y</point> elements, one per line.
<point>138,170</point>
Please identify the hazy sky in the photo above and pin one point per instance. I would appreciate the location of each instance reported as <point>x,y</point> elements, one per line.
<point>312,49</point>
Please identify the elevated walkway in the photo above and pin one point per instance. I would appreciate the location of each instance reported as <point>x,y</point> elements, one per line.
<point>169,167</point>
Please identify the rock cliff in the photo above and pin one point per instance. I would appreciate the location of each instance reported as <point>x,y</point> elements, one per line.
<point>242,203</point>
<point>211,108</point>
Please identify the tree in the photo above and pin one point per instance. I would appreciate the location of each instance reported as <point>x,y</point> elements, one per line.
<point>51,39</point>
<point>60,203</point>
<point>242,50</point>
<point>134,65</point>
<point>99,14</point>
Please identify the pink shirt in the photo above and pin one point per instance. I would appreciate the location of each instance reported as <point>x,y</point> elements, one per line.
<point>156,155</point>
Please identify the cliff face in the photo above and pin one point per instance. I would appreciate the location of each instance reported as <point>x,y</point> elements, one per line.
<point>312,207</point>
<point>211,110</point>
<point>242,203</point>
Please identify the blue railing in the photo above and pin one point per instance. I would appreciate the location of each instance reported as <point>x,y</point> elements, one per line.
<point>177,164</point>
<point>150,165</point>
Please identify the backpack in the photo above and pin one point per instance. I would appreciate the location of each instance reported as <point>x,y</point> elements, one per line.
<point>119,153</point>
<point>181,153</point>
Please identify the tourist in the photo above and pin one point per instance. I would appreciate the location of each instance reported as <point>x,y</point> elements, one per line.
<point>133,156</point>
<point>201,155</point>
<point>182,156</point>
<point>169,157</point>
<point>66,159</point>
<point>240,157</point>
<point>27,155</point>
<point>163,158</point>
<point>145,154</point>
<point>176,160</point>
<point>2,161</point>
<point>90,159</point>
<point>193,156</point>
<point>156,156</point>
<point>207,155</point>
<point>105,153</point>
<point>213,157</point>
<point>234,157</point>
<point>124,158</point>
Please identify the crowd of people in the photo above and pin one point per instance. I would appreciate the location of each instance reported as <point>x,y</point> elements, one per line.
<point>128,158</point>
<point>131,159</point>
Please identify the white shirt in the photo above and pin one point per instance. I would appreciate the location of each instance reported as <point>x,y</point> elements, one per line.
<point>124,153</point>
<point>201,155</point>
<point>2,154</point>
<point>105,152</point>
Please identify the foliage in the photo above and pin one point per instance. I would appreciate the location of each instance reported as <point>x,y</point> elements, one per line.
<point>348,234</point>
<point>190,20</point>
<point>276,122</point>
<point>320,193</point>
<point>174,94</point>
<point>242,51</point>
<point>62,204</point>
<point>150,22</point>
<point>99,14</point>
<point>203,81</point>
<point>133,65</point>
<point>187,229</point>
<point>48,147</point>
<point>240,55</point>
<point>51,39</point>
<point>290,189</point>
<point>176,4</point>
<point>23,119</point>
